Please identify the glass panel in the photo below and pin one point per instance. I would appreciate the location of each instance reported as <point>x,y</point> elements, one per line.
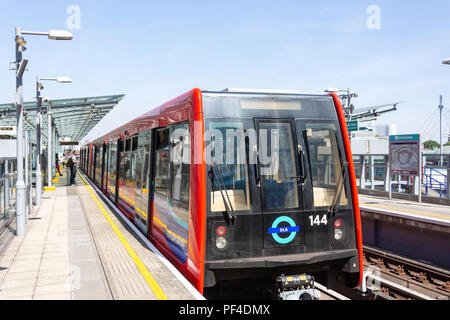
<point>142,176</point>
<point>162,171</point>
<point>112,168</point>
<point>326,167</point>
<point>162,162</point>
<point>280,189</point>
<point>231,168</point>
<point>180,157</point>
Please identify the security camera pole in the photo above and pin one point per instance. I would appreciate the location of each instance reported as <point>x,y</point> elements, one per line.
<point>20,69</point>
<point>38,143</point>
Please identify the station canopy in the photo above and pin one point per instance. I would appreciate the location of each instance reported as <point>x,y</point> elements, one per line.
<point>72,118</point>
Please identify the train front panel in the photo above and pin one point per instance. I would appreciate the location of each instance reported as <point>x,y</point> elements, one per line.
<point>278,193</point>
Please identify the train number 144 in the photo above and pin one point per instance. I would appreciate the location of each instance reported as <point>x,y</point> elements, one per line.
<point>316,220</point>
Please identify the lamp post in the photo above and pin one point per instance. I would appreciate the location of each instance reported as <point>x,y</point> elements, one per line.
<point>40,87</point>
<point>20,69</point>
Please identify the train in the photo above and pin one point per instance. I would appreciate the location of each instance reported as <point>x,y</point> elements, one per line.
<point>239,184</point>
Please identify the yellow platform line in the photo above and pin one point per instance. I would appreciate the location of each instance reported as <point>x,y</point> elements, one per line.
<point>160,295</point>
<point>405,210</point>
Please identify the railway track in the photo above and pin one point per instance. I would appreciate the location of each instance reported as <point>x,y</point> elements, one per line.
<point>400,278</point>
<point>328,294</point>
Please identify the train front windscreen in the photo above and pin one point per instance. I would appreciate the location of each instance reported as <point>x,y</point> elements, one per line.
<point>278,183</point>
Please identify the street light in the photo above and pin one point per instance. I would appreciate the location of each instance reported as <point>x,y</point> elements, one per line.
<point>40,87</point>
<point>52,34</point>
<point>20,67</point>
<point>446,61</point>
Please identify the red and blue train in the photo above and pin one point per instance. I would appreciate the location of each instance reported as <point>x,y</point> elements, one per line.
<point>238,184</point>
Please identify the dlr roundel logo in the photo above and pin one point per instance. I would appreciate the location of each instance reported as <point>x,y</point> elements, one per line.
<point>292,229</point>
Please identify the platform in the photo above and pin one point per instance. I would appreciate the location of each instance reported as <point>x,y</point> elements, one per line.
<point>420,232</point>
<point>76,248</point>
<point>425,212</point>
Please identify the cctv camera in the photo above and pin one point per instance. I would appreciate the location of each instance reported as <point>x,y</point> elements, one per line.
<point>46,100</point>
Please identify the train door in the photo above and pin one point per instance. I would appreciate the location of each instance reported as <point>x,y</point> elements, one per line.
<point>281,174</point>
<point>126,184</point>
<point>142,156</point>
<point>113,170</point>
<point>92,168</point>
<point>99,166</point>
<point>170,206</point>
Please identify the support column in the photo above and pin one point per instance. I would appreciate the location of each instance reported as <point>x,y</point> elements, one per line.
<point>372,173</point>
<point>38,146</point>
<point>30,173</point>
<point>53,151</point>
<point>7,192</point>
<point>27,181</point>
<point>49,148</point>
<point>362,178</point>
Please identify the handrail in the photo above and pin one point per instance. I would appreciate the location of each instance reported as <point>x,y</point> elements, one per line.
<point>7,176</point>
<point>435,170</point>
<point>431,178</point>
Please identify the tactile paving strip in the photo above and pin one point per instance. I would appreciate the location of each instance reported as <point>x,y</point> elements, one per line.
<point>124,278</point>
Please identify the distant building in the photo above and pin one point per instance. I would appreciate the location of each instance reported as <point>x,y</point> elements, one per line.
<point>373,139</point>
<point>385,130</point>
<point>368,143</point>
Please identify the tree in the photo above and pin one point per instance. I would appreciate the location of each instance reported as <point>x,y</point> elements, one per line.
<point>431,144</point>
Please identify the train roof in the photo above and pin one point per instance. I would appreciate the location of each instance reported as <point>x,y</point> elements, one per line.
<point>122,130</point>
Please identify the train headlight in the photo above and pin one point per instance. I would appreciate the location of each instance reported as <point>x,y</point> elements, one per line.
<point>338,234</point>
<point>221,242</point>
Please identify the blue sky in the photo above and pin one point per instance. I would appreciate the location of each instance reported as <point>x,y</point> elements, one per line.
<point>154,51</point>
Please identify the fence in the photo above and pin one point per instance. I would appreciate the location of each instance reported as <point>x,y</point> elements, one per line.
<point>7,197</point>
<point>372,173</point>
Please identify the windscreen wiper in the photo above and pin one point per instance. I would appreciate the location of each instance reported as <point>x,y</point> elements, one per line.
<point>337,196</point>
<point>218,178</point>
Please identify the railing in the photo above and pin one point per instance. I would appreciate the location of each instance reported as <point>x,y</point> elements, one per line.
<point>431,183</point>
<point>7,197</point>
<point>372,173</point>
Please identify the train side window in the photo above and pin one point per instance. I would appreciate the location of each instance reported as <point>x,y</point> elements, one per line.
<point>128,145</point>
<point>134,145</point>
<point>162,161</point>
<point>133,167</point>
<point>180,163</point>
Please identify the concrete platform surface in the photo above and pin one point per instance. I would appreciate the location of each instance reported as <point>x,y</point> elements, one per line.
<point>77,249</point>
<point>425,211</point>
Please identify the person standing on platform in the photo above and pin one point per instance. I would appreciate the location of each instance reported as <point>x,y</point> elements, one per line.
<point>71,163</point>
<point>58,167</point>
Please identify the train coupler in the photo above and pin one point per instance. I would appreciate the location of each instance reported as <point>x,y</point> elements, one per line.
<point>298,287</point>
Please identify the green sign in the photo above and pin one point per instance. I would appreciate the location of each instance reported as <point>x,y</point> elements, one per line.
<point>405,137</point>
<point>352,126</point>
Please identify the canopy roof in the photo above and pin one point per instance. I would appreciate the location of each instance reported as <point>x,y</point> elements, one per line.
<point>73,118</point>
